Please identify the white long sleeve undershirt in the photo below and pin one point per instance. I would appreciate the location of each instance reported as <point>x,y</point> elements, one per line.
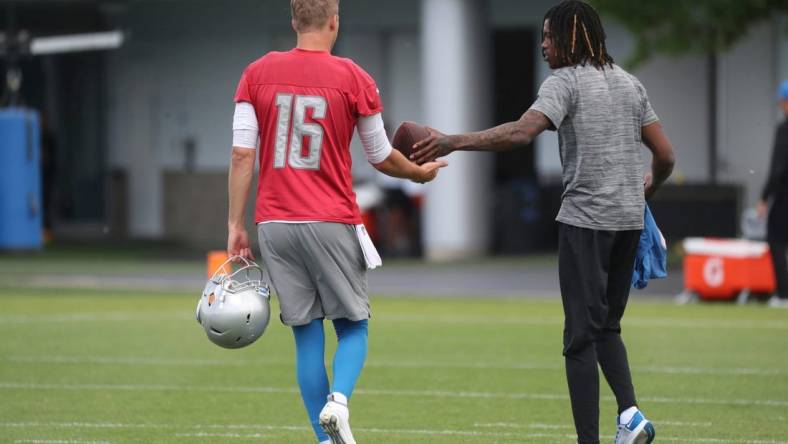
<point>373,138</point>
<point>245,131</point>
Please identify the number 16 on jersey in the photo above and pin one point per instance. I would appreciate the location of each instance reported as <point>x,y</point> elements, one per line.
<point>296,106</point>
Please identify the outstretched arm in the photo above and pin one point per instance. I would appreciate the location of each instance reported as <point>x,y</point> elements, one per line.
<point>663,157</point>
<point>507,136</point>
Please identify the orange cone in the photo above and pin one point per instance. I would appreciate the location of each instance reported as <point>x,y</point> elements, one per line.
<point>215,260</point>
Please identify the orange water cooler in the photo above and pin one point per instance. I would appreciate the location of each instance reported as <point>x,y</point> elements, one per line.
<point>725,269</point>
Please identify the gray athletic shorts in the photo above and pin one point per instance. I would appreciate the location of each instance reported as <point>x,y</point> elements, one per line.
<point>317,269</point>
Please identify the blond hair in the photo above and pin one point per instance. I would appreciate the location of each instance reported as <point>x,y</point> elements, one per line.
<point>310,15</point>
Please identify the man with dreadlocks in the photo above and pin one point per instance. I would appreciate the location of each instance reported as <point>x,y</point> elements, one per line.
<point>602,114</point>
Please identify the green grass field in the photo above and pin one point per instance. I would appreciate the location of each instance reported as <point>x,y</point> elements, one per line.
<point>122,367</point>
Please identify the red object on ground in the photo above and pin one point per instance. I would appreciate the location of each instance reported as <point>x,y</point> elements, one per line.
<point>726,268</point>
<point>371,224</point>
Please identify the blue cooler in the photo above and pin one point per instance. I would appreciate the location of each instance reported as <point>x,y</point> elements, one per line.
<point>20,180</point>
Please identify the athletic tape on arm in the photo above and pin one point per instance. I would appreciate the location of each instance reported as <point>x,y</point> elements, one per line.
<point>245,131</point>
<point>373,138</point>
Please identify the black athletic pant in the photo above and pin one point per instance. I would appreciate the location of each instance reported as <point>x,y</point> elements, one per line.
<point>779,250</point>
<point>595,273</point>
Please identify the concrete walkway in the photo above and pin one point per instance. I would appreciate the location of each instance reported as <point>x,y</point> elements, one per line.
<point>520,277</point>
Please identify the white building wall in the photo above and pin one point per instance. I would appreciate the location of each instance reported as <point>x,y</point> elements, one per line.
<point>174,80</point>
<point>175,77</point>
<point>367,49</point>
<point>678,91</point>
<point>675,87</point>
<point>747,99</point>
<point>402,93</point>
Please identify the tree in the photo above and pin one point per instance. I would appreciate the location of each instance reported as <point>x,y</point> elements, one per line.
<point>678,27</point>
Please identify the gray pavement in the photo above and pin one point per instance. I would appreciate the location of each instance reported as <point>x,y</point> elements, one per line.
<point>490,280</point>
<point>521,277</point>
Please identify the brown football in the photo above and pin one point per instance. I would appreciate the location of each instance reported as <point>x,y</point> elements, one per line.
<point>407,134</point>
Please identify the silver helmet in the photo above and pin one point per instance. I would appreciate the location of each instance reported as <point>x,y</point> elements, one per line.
<point>234,307</point>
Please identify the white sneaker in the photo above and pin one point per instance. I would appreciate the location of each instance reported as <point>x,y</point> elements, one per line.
<point>335,421</point>
<point>638,430</point>
<point>778,302</point>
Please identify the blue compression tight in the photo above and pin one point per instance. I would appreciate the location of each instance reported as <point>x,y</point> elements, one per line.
<point>311,368</point>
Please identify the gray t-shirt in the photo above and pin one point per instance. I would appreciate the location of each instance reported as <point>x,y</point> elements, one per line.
<point>599,115</point>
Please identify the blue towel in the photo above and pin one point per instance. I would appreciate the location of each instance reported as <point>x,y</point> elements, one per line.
<point>651,261</point>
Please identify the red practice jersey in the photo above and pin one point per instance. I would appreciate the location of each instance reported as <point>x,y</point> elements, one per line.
<point>307,105</point>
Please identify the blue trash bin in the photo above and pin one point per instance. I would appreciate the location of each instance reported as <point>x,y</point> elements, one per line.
<point>20,180</point>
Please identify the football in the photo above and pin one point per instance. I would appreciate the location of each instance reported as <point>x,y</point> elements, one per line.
<point>407,134</point>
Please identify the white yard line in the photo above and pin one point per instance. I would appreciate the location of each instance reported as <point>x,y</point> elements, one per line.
<point>93,317</point>
<point>513,425</point>
<point>383,392</point>
<point>537,425</point>
<point>232,432</point>
<point>453,433</point>
<point>735,371</point>
<point>140,360</point>
<point>720,440</point>
<point>78,425</point>
<point>222,435</point>
<point>629,322</point>
<point>684,424</point>
<point>148,387</point>
<point>58,441</point>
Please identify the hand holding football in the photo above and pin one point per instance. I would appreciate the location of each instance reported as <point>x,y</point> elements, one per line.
<point>408,134</point>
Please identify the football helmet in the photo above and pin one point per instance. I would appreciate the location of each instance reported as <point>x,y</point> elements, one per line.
<point>234,308</point>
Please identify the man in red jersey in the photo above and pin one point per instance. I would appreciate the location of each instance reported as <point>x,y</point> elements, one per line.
<point>304,105</point>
